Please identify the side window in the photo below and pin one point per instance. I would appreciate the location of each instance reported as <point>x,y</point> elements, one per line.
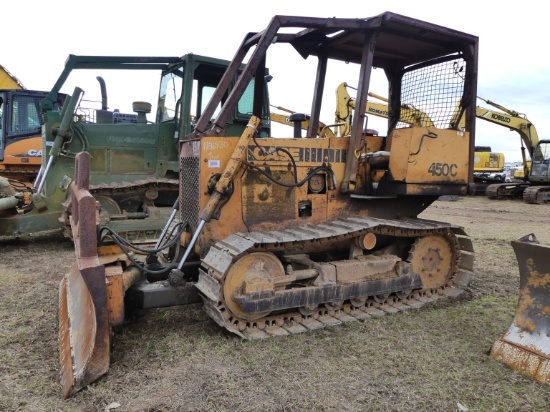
<point>245,106</point>
<point>169,96</point>
<point>33,116</point>
<point>545,151</point>
<point>205,96</point>
<point>15,125</point>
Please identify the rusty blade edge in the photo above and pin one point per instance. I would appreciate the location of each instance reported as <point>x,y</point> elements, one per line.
<point>522,360</point>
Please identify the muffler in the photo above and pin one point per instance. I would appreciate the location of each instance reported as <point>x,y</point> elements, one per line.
<point>525,347</point>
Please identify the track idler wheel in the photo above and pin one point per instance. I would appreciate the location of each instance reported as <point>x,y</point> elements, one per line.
<point>254,273</point>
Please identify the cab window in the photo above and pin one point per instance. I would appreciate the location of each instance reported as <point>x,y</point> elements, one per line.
<point>25,117</point>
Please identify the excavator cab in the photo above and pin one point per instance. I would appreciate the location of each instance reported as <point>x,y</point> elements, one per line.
<point>540,164</point>
<point>285,235</point>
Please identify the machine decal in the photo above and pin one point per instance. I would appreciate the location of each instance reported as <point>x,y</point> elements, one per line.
<point>442,169</point>
<point>501,118</point>
<point>300,154</point>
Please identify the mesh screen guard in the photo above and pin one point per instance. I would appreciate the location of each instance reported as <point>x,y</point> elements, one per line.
<point>432,93</point>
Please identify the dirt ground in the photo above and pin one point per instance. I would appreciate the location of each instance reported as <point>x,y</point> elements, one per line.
<point>177,359</point>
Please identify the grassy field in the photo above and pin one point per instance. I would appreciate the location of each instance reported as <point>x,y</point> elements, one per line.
<point>177,359</point>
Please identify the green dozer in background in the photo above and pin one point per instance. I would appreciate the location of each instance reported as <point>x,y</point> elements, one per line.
<point>134,159</point>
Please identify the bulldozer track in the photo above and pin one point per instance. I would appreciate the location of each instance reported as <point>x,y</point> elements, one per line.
<point>114,188</point>
<point>224,254</point>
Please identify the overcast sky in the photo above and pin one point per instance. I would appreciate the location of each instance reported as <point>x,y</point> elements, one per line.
<point>39,36</point>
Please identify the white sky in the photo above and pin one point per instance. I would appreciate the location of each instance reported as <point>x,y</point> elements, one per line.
<point>39,36</point>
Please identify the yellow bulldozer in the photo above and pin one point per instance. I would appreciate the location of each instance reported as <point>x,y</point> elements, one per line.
<point>285,235</point>
<point>277,236</point>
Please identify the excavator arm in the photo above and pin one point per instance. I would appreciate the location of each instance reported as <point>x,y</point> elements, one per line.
<point>514,121</point>
<point>345,105</point>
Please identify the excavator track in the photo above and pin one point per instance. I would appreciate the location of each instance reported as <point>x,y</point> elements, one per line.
<point>537,194</point>
<point>505,190</point>
<point>224,255</point>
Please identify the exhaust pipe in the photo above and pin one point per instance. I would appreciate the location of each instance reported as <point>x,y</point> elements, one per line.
<point>103,89</point>
<point>525,347</point>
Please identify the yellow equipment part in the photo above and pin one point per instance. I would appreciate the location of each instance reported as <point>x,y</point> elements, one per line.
<point>22,160</point>
<point>421,146</point>
<point>488,162</point>
<point>525,347</point>
<point>8,80</point>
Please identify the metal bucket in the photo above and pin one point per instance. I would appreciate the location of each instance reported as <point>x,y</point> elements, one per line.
<point>525,347</point>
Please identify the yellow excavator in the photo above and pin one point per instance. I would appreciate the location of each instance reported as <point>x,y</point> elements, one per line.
<point>345,105</point>
<point>20,132</point>
<point>535,187</point>
<point>515,122</point>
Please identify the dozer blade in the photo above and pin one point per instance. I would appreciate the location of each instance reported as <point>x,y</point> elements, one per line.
<point>525,347</point>
<point>83,313</point>
<point>83,327</point>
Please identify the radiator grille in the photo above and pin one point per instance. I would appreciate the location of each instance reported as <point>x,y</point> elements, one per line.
<point>189,190</point>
